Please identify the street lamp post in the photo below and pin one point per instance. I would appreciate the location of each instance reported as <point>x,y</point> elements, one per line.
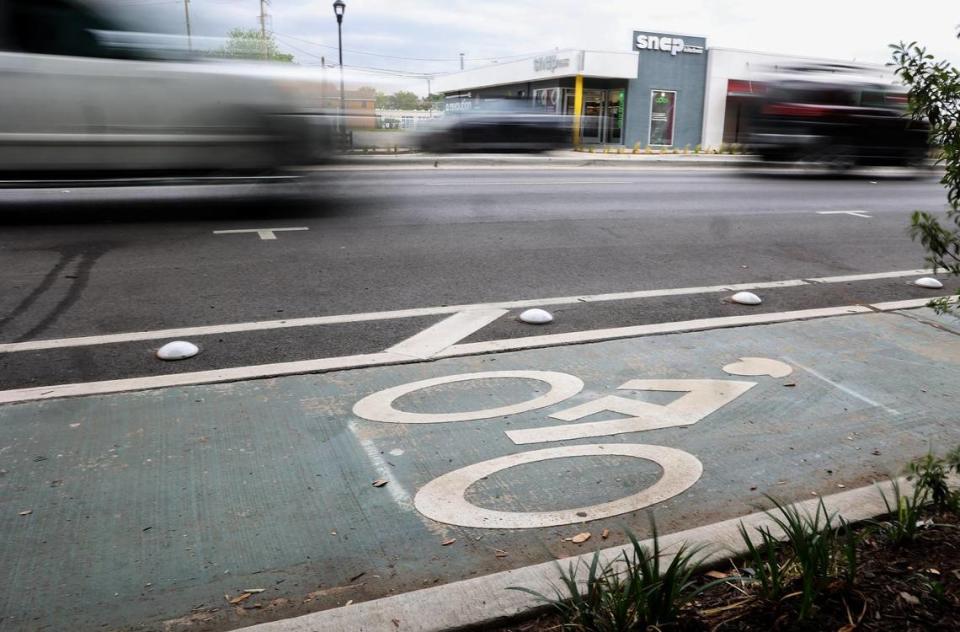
<point>339,7</point>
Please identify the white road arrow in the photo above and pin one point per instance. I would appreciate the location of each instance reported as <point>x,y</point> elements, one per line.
<point>854,213</point>
<point>265,233</point>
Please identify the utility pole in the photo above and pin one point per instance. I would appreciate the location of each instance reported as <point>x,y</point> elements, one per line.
<point>461,61</point>
<point>263,27</point>
<point>186,11</point>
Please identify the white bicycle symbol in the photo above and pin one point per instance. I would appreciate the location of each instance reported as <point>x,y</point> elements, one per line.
<point>444,498</point>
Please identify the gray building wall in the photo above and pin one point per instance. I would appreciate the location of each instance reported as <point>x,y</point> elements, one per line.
<point>684,73</point>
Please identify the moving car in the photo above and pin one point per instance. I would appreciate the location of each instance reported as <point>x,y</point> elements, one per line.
<point>832,116</point>
<point>504,125</point>
<point>82,94</point>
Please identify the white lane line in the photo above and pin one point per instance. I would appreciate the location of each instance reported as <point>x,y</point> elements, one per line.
<point>837,385</point>
<point>205,330</point>
<point>863,214</point>
<point>867,277</point>
<point>910,303</point>
<point>551,183</point>
<point>396,490</point>
<point>379,359</point>
<point>200,377</point>
<point>266,234</point>
<point>446,333</point>
<point>573,337</point>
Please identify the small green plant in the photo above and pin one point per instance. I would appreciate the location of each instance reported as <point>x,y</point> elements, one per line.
<point>770,571</point>
<point>902,524</point>
<point>697,149</point>
<point>930,473</point>
<point>648,150</point>
<point>590,150</point>
<point>641,589</point>
<point>818,556</point>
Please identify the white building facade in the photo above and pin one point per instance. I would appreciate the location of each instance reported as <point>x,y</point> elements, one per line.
<point>671,90</point>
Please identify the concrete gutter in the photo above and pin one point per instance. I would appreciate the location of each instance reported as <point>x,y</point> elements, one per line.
<point>486,601</point>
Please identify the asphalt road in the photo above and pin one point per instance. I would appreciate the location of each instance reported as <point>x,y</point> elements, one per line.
<point>84,262</point>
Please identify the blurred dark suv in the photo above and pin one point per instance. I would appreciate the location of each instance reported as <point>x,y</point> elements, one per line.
<point>841,123</point>
<point>500,125</point>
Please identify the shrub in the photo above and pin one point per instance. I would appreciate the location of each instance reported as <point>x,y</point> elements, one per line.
<point>641,589</point>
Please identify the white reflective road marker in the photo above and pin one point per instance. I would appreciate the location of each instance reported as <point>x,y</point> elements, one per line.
<point>702,398</point>
<point>854,213</point>
<point>266,234</point>
<point>446,333</point>
<point>313,321</point>
<point>443,498</point>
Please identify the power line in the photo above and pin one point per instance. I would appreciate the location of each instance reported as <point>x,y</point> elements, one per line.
<point>437,59</point>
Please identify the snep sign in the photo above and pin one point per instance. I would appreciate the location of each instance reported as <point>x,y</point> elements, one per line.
<point>549,63</point>
<point>668,43</point>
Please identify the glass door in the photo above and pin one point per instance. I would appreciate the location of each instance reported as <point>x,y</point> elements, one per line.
<point>594,110</point>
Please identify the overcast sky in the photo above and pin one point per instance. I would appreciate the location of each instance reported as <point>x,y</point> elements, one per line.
<point>379,33</point>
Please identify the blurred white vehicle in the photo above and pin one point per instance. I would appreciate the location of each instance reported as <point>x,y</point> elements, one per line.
<point>80,94</point>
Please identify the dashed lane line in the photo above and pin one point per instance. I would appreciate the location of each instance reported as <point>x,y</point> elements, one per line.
<point>205,330</point>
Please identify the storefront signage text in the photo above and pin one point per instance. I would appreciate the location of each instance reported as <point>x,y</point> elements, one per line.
<point>549,63</point>
<point>666,43</point>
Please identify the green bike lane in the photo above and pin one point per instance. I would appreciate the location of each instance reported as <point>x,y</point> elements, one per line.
<point>152,510</point>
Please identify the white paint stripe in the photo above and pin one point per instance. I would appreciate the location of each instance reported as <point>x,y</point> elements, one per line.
<point>199,377</point>
<point>266,234</point>
<point>868,277</point>
<point>863,214</point>
<point>377,359</point>
<point>313,321</point>
<point>551,183</point>
<point>646,330</point>
<point>396,490</point>
<point>184,332</point>
<point>485,602</point>
<point>447,332</point>
<point>910,303</point>
<point>847,390</point>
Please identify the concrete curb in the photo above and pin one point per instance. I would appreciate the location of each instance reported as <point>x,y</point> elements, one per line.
<point>486,601</point>
<point>584,160</point>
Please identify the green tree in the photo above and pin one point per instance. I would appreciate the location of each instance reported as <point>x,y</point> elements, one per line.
<point>251,44</point>
<point>406,100</point>
<point>935,96</point>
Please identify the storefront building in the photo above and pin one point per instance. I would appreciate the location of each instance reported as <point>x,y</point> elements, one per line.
<point>671,90</point>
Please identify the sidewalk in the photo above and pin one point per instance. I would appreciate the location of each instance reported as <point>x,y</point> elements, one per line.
<point>143,510</point>
<point>563,158</point>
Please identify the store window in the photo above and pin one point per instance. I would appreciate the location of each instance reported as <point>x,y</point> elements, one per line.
<point>662,112</point>
<point>547,99</point>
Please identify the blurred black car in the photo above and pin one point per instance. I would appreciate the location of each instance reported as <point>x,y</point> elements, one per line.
<point>498,126</point>
<point>838,121</point>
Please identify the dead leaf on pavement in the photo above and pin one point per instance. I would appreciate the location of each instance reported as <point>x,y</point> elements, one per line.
<point>605,534</point>
<point>448,542</point>
<point>380,482</point>
<point>26,512</point>
<point>254,591</point>
<point>396,622</point>
<point>239,599</point>
<point>717,575</point>
<point>910,599</point>
<point>500,553</point>
<point>933,571</point>
<point>580,538</point>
